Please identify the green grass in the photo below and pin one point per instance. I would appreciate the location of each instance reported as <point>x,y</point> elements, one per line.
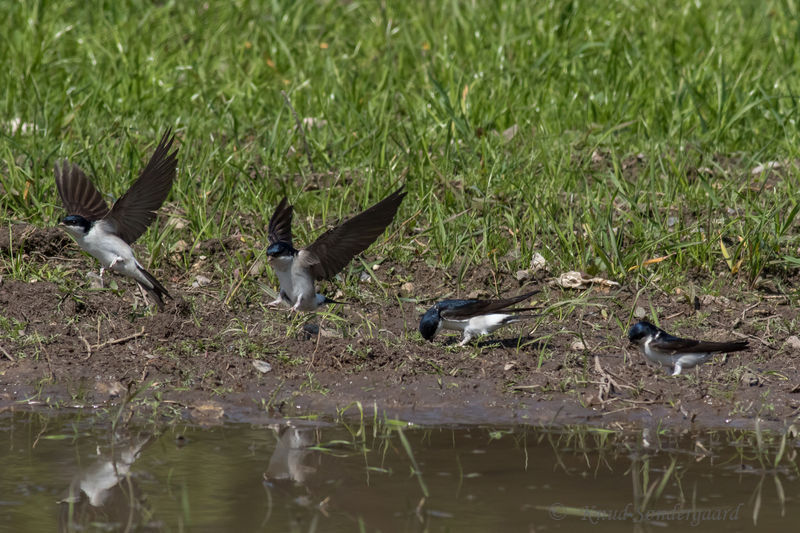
<point>420,92</point>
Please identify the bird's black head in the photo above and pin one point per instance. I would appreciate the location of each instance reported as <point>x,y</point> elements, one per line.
<point>75,224</point>
<point>429,323</point>
<point>640,330</point>
<point>280,249</point>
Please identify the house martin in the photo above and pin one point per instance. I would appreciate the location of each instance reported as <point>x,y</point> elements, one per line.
<point>298,270</point>
<point>108,234</point>
<point>472,317</point>
<point>662,348</point>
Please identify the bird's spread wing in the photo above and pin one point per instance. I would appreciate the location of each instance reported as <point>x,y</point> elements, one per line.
<point>471,308</point>
<point>280,225</point>
<point>136,209</point>
<point>336,247</point>
<point>78,194</point>
<point>675,345</point>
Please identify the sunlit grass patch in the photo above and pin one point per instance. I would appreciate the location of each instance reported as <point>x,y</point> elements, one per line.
<point>653,139</point>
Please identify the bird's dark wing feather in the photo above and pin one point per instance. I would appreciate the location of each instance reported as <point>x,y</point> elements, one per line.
<point>722,347</point>
<point>78,194</point>
<point>670,344</point>
<point>136,209</point>
<point>280,225</point>
<point>336,247</point>
<point>471,308</point>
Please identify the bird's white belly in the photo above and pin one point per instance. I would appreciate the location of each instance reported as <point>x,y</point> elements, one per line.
<point>304,291</point>
<point>485,324</point>
<point>285,281</point>
<point>454,325</point>
<point>686,360</point>
<point>110,249</point>
<point>477,325</point>
<point>296,283</point>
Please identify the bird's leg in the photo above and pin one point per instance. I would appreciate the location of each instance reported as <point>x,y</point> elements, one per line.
<point>282,297</point>
<point>276,302</point>
<point>297,303</point>
<point>143,293</point>
<point>466,339</point>
<point>110,267</point>
<point>677,370</point>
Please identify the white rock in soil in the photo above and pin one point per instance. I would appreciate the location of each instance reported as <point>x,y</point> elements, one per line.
<point>538,262</point>
<point>180,246</point>
<point>200,281</point>
<point>262,366</point>
<point>770,165</point>
<point>578,345</point>
<point>95,281</point>
<point>793,342</point>
<point>522,275</point>
<point>709,299</point>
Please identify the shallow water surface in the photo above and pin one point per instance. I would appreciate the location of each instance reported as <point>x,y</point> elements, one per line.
<point>75,473</point>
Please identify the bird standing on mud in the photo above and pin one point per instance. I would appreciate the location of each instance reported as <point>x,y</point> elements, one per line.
<point>472,317</point>
<point>107,234</point>
<point>297,270</point>
<point>662,348</point>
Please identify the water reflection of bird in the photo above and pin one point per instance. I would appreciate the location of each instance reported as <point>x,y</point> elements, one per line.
<point>92,491</point>
<point>98,480</point>
<point>291,452</point>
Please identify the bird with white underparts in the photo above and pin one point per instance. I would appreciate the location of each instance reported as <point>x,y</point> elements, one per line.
<point>472,317</point>
<point>106,234</point>
<point>298,270</point>
<point>664,349</point>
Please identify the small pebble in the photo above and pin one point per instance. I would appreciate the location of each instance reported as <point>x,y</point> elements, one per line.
<point>95,281</point>
<point>200,281</point>
<point>538,262</point>
<point>180,246</point>
<point>522,275</point>
<point>750,379</point>
<point>578,345</point>
<point>262,366</point>
<point>793,342</point>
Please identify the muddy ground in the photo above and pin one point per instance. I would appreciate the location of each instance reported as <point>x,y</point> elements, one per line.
<point>67,345</point>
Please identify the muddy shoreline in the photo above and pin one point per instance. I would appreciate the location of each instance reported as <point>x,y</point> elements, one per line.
<point>68,345</point>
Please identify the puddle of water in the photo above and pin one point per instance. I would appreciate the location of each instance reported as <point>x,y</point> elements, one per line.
<point>72,474</point>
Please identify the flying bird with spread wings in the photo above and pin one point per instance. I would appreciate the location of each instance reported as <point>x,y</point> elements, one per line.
<point>298,270</point>
<point>107,234</point>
